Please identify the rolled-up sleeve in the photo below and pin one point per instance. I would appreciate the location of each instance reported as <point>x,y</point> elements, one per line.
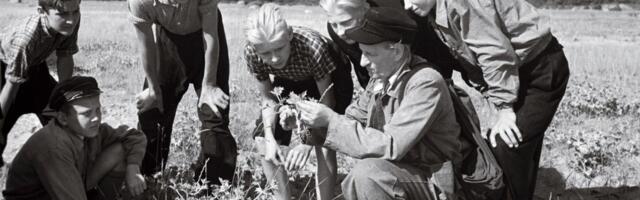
<point>420,107</point>
<point>324,63</point>
<point>19,62</point>
<point>528,30</point>
<point>493,50</point>
<point>140,12</point>
<point>133,141</point>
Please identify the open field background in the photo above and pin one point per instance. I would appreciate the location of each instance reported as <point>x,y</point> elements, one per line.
<point>591,150</point>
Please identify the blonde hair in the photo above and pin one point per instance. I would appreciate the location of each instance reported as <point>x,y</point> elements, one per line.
<point>356,5</point>
<point>267,25</point>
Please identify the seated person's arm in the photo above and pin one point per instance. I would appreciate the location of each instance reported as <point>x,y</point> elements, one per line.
<point>58,174</point>
<point>7,95</point>
<point>423,102</point>
<point>269,112</point>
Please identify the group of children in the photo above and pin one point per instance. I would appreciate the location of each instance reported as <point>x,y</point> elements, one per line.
<point>499,47</point>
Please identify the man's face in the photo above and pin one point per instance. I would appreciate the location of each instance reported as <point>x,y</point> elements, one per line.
<point>83,116</point>
<point>379,59</point>
<point>65,19</point>
<point>342,20</point>
<point>419,7</point>
<point>276,53</point>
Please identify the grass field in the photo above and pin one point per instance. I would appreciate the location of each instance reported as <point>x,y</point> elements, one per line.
<point>590,150</point>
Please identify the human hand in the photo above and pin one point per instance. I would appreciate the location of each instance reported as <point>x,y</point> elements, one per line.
<point>506,127</point>
<point>148,99</point>
<point>273,153</point>
<point>213,97</point>
<point>287,118</point>
<point>297,157</point>
<point>134,180</point>
<point>315,115</point>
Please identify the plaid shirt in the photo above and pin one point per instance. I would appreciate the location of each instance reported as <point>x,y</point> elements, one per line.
<point>309,58</point>
<point>29,44</point>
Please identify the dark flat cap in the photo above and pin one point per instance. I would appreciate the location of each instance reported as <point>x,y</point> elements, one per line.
<point>384,24</point>
<point>74,88</point>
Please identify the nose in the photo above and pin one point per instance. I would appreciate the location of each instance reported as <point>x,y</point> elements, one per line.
<point>364,62</point>
<point>274,58</point>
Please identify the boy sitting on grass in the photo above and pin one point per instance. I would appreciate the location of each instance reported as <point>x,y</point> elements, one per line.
<point>299,59</point>
<point>75,152</point>
<point>24,48</point>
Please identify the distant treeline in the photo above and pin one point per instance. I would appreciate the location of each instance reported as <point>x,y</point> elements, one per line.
<point>546,3</point>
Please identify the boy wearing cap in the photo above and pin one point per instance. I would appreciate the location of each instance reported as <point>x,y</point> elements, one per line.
<point>509,54</point>
<point>75,152</point>
<point>24,48</point>
<point>402,126</point>
<point>300,60</point>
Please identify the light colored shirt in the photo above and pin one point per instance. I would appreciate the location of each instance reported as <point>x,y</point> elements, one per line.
<point>178,18</point>
<point>53,163</point>
<point>492,38</point>
<point>29,43</point>
<point>418,125</point>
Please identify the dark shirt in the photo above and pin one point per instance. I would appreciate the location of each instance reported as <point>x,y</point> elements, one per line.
<point>53,163</point>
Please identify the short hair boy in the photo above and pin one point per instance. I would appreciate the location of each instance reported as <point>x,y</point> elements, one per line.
<point>24,48</point>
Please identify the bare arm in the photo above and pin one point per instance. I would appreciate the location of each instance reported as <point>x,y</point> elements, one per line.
<point>212,47</point>
<point>7,95</point>
<point>269,111</point>
<point>65,67</point>
<point>149,55</point>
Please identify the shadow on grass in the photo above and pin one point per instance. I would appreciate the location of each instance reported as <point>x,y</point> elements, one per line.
<point>552,186</point>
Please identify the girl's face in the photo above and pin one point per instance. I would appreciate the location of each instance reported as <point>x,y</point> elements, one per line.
<point>275,53</point>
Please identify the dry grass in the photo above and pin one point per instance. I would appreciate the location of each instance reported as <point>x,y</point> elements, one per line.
<point>590,145</point>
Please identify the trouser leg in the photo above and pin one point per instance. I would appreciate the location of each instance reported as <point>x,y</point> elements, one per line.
<point>157,127</point>
<point>32,97</point>
<point>543,83</point>
<point>106,174</point>
<point>381,179</point>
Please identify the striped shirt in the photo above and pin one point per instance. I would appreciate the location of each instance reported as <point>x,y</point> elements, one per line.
<point>29,44</point>
<point>310,58</point>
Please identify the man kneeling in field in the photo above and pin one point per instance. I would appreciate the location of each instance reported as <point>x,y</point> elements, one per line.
<point>76,153</point>
<point>402,126</point>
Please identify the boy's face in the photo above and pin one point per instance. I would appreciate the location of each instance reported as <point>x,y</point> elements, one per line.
<point>64,19</point>
<point>379,59</point>
<point>83,116</point>
<point>275,53</point>
<point>343,19</point>
<point>420,7</point>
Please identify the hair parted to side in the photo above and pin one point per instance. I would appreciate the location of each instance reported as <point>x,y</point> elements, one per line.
<point>267,25</point>
<point>345,4</point>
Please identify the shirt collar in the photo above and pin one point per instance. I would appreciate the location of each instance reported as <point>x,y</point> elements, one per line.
<point>44,22</point>
<point>441,17</point>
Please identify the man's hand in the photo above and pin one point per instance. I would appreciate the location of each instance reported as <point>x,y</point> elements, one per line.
<point>135,180</point>
<point>297,157</point>
<point>213,97</point>
<point>287,118</point>
<point>315,115</point>
<point>506,128</point>
<point>273,153</point>
<point>149,99</point>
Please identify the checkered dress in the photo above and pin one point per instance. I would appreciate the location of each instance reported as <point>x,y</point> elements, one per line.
<point>310,58</point>
<point>29,44</point>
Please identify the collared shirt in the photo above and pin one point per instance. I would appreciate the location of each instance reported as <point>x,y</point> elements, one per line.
<point>309,58</point>
<point>53,163</point>
<point>30,43</point>
<point>412,123</point>
<point>177,17</point>
<point>492,39</point>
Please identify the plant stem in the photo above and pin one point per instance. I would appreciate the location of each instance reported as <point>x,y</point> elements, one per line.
<point>325,93</point>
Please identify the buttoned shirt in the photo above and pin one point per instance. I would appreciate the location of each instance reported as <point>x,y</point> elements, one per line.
<point>309,58</point>
<point>413,122</point>
<point>53,163</point>
<point>492,38</point>
<point>29,43</point>
<point>178,17</point>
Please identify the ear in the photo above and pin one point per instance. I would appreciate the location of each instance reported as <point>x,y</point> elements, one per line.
<point>290,33</point>
<point>62,118</point>
<point>41,10</point>
<point>398,51</point>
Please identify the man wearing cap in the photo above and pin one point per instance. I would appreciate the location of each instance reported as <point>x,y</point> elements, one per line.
<point>402,127</point>
<point>75,152</point>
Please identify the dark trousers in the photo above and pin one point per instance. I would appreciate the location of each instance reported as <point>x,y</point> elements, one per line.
<point>32,97</point>
<point>542,85</point>
<point>157,126</point>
